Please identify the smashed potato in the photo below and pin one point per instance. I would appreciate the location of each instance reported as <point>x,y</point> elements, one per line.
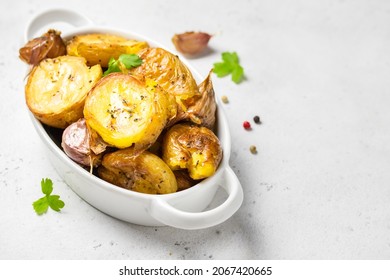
<point>145,173</point>
<point>125,111</point>
<point>99,48</point>
<point>56,89</point>
<point>197,149</point>
<point>169,72</point>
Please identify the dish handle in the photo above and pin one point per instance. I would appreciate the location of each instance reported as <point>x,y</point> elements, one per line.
<point>167,214</point>
<point>54,16</point>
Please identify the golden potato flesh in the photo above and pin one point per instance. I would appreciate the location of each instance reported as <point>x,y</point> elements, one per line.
<point>169,72</point>
<point>99,48</point>
<point>146,172</point>
<point>56,89</point>
<point>125,111</point>
<point>194,148</point>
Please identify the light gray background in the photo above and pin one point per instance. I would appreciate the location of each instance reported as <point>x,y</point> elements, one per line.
<point>317,73</point>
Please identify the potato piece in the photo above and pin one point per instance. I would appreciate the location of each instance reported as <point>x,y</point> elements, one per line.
<point>99,48</point>
<point>145,173</point>
<point>191,147</point>
<point>125,111</point>
<point>169,72</point>
<point>56,89</point>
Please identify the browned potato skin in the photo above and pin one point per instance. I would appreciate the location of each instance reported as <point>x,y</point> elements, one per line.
<point>169,72</point>
<point>197,149</point>
<point>145,172</point>
<point>184,181</point>
<point>49,45</point>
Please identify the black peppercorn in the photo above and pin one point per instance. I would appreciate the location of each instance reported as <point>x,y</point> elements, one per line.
<point>256,119</point>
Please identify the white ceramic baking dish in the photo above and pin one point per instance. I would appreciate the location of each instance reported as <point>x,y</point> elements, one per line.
<point>184,209</point>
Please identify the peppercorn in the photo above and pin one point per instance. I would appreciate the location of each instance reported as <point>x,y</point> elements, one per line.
<point>253,149</point>
<point>246,125</point>
<point>256,119</point>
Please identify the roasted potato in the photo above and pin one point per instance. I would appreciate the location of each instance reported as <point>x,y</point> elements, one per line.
<point>99,48</point>
<point>56,89</point>
<point>49,45</point>
<point>197,149</point>
<point>145,172</point>
<point>125,111</point>
<point>169,72</point>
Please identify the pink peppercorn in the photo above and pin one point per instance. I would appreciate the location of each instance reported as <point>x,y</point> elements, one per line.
<point>246,125</point>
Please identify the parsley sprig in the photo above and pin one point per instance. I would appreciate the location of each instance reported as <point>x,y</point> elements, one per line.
<point>127,61</point>
<point>230,65</point>
<point>49,200</point>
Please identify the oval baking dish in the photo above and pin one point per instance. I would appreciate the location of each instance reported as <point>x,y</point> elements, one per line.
<point>183,209</point>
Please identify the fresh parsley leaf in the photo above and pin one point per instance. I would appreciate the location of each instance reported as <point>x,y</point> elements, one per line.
<point>237,74</point>
<point>230,65</point>
<point>53,201</point>
<point>113,66</point>
<point>47,186</point>
<point>130,60</point>
<point>230,58</point>
<point>222,69</point>
<point>127,60</point>
<point>41,205</point>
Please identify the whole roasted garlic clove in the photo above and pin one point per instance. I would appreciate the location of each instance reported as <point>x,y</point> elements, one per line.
<point>49,45</point>
<point>76,144</point>
<point>191,43</point>
<point>203,110</point>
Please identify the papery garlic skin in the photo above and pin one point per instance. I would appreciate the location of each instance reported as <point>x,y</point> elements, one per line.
<point>191,43</point>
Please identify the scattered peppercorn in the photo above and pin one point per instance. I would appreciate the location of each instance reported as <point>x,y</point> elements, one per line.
<point>246,125</point>
<point>224,99</point>
<point>253,149</point>
<point>256,119</point>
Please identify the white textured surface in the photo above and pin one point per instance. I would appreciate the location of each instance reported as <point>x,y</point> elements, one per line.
<point>319,188</point>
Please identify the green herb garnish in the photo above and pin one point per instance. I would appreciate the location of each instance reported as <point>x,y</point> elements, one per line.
<point>127,60</point>
<point>42,204</point>
<point>230,65</point>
